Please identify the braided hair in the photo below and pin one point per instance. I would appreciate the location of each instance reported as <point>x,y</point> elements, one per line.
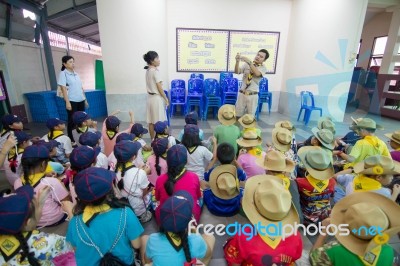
<point>29,164</point>
<point>121,165</point>
<point>183,235</point>
<point>173,172</point>
<point>157,165</point>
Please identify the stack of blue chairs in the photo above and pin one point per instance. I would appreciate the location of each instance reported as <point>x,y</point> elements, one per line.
<point>222,77</point>
<point>230,91</point>
<point>195,95</point>
<point>197,76</point>
<point>212,96</point>
<point>264,96</point>
<point>177,96</point>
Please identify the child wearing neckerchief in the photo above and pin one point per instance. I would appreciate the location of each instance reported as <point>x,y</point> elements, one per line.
<point>102,220</point>
<point>395,144</point>
<point>20,243</point>
<point>83,123</point>
<point>132,181</point>
<point>157,162</point>
<point>111,130</point>
<point>139,131</point>
<point>93,139</point>
<point>56,132</point>
<point>161,129</point>
<point>250,152</point>
<point>10,123</point>
<point>359,210</point>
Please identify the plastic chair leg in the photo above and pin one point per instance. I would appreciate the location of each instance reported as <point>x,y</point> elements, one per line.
<point>298,117</point>
<point>320,113</point>
<point>307,115</point>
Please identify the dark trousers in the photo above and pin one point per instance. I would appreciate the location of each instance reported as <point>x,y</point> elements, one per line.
<point>76,106</point>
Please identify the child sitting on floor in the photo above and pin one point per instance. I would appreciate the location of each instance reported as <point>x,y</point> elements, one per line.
<point>227,132</point>
<point>249,153</point>
<point>93,139</point>
<point>83,123</point>
<point>139,131</point>
<point>161,129</point>
<point>191,119</point>
<point>10,123</point>
<point>56,132</point>
<point>395,144</point>
<point>157,162</point>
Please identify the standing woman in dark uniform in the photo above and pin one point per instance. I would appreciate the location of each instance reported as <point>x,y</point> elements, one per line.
<point>74,95</point>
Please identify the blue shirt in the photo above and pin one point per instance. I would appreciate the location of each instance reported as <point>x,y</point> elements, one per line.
<point>223,207</point>
<point>161,252</point>
<point>201,135</point>
<point>75,92</point>
<point>103,230</point>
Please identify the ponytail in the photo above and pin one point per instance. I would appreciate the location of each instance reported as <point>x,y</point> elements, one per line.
<point>51,134</point>
<point>121,165</point>
<point>25,251</point>
<point>158,168</point>
<point>185,245</point>
<point>173,172</point>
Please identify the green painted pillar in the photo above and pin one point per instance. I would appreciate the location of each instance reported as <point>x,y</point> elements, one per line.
<point>99,76</point>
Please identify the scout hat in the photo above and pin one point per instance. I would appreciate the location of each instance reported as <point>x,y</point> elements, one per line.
<point>317,162</point>
<point>377,165</point>
<point>53,122</point>
<point>366,123</point>
<point>325,137</point>
<point>191,118</point>
<point>79,117</point>
<point>395,136</point>
<point>176,212</point>
<point>281,139</point>
<point>227,114</point>
<point>266,200</point>
<point>90,138</point>
<point>138,129</point>
<point>249,139</point>
<point>285,124</point>
<point>9,119</point>
<point>83,156</point>
<point>276,161</point>
<point>176,155</point>
<point>126,149</point>
<point>354,122</point>
<point>326,123</point>
<point>223,182</point>
<point>365,209</point>
<point>248,121</point>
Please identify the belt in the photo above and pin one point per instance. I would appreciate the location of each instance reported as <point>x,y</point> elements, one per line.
<point>245,92</point>
<point>151,93</point>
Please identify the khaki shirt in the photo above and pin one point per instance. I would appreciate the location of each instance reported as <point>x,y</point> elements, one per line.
<point>152,78</point>
<point>245,69</point>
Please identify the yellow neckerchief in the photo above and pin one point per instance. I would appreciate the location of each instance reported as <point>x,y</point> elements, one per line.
<point>83,129</point>
<point>10,246</point>
<point>136,139</point>
<point>111,134</point>
<point>162,136</point>
<point>56,133</point>
<point>398,149</point>
<point>250,75</point>
<point>12,154</point>
<point>319,185</point>
<point>181,173</point>
<point>285,179</point>
<point>365,183</point>
<point>192,149</point>
<point>271,242</point>
<point>255,152</point>
<point>164,156</point>
<point>373,140</point>
<point>3,131</point>
<point>127,165</point>
<point>34,179</point>
<point>371,257</point>
<point>174,240</point>
<point>90,212</point>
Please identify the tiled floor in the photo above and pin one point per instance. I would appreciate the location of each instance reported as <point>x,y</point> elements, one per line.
<point>266,124</point>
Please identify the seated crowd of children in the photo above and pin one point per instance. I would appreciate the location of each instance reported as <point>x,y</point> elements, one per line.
<point>112,182</point>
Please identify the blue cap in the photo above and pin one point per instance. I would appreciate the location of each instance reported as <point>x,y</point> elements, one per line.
<point>159,127</point>
<point>90,138</point>
<point>53,122</point>
<point>79,117</point>
<point>93,183</point>
<point>125,136</point>
<point>160,146</point>
<point>50,145</point>
<point>14,210</point>
<point>138,129</point>
<point>83,157</point>
<point>36,151</point>
<point>191,118</point>
<point>176,155</point>
<point>125,150</point>
<point>10,119</point>
<point>112,122</point>
<point>176,212</point>
<point>21,136</point>
<point>191,130</point>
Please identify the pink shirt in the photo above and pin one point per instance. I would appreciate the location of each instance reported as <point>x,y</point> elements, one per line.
<point>189,182</point>
<point>151,162</point>
<point>248,163</point>
<point>52,211</point>
<point>110,143</point>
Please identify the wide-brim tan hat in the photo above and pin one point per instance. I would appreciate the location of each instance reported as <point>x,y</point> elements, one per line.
<point>276,161</point>
<point>285,124</point>
<point>395,136</point>
<point>366,123</point>
<point>326,123</point>
<point>267,201</point>
<point>224,182</point>
<point>325,137</point>
<point>227,114</point>
<point>377,165</point>
<point>317,162</point>
<point>249,139</point>
<point>365,209</point>
<point>248,121</point>
<point>282,139</point>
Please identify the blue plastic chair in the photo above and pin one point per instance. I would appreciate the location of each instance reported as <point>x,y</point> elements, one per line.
<point>212,96</point>
<point>264,96</point>
<point>177,96</point>
<point>230,91</point>
<point>308,105</point>
<point>222,77</point>
<point>195,96</point>
<point>197,76</point>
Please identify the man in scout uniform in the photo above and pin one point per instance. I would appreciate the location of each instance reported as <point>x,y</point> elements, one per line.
<point>252,71</point>
<point>266,201</point>
<point>358,248</point>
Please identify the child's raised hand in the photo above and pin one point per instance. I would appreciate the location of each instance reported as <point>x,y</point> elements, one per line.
<point>10,142</point>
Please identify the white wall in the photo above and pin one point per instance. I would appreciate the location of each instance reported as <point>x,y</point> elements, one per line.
<point>316,28</point>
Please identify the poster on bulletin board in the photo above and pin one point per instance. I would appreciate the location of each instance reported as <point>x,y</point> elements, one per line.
<point>248,43</point>
<point>201,50</point>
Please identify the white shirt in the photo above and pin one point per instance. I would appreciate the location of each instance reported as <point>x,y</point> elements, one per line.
<point>64,147</point>
<point>198,160</point>
<point>102,161</point>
